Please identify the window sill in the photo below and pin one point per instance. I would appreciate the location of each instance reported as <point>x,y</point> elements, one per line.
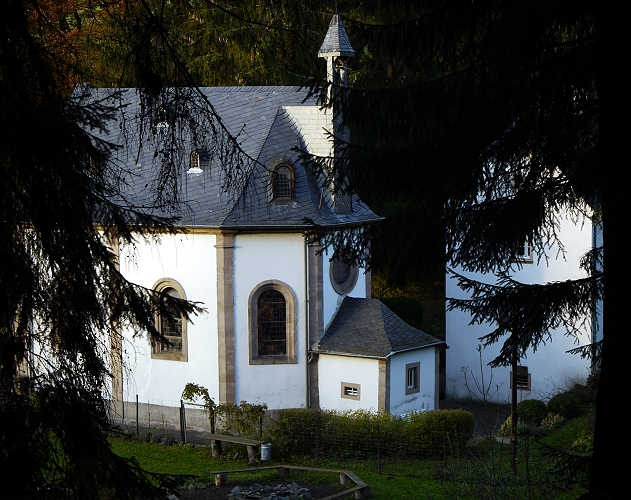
<point>273,360</point>
<point>283,201</point>
<point>169,356</point>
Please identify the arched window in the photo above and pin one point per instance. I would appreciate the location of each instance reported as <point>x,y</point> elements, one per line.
<point>272,324</point>
<point>171,325</point>
<point>195,162</point>
<point>271,312</point>
<point>283,183</point>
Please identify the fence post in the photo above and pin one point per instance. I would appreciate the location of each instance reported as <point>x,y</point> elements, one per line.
<point>378,450</point>
<point>183,421</point>
<point>317,433</point>
<point>445,448</point>
<point>137,425</point>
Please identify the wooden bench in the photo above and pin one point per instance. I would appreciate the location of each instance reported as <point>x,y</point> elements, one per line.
<point>216,440</point>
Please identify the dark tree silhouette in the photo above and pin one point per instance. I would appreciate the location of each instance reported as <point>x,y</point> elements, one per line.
<point>62,297</point>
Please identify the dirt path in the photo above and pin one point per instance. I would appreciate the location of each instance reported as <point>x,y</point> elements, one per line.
<point>488,416</point>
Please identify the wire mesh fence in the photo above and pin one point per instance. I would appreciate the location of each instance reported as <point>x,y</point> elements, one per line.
<point>468,466</point>
<point>366,436</point>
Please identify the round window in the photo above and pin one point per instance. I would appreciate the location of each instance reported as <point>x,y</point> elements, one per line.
<point>343,276</point>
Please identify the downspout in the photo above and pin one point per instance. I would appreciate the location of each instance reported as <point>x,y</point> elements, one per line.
<point>307,305</point>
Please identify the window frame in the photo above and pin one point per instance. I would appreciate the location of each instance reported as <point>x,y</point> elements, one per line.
<point>156,353</point>
<point>274,191</point>
<point>195,160</point>
<point>357,388</point>
<point>290,324</point>
<point>347,286</point>
<point>527,257</point>
<point>416,386</point>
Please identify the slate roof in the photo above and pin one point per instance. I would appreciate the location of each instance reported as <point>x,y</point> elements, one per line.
<point>336,41</point>
<point>272,124</point>
<point>366,327</point>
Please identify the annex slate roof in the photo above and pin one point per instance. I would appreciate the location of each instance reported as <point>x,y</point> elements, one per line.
<point>272,125</point>
<point>336,41</point>
<point>366,327</point>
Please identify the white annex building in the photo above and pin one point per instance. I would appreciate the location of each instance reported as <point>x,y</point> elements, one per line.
<point>544,372</point>
<point>283,324</point>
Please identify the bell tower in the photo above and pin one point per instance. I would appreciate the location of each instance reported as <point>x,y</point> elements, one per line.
<point>336,50</point>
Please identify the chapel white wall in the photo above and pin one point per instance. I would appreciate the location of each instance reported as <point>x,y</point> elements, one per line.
<point>259,258</point>
<point>190,259</point>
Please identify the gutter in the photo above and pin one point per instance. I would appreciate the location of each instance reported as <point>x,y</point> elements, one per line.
<point>307,304</point>
<point>373,356</point>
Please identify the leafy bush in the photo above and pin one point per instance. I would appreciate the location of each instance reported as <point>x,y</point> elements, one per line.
<point>358,433</point>
<point>565,404</point>
<point>522,429</point>
<point>592,381</point>
<point>584,442</point>
<point>457,425</point>
<point>244,419</point>
<point>552,421</point>
<point>584,394</point>
<point>532,411</point>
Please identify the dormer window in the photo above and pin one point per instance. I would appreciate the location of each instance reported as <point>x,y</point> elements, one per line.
<point>195,162</point>
<point>162,119</point>
<point>283,183</point>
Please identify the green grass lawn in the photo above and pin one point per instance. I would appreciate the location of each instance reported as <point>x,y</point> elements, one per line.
<point>412,479</point>
<point>482,472</point>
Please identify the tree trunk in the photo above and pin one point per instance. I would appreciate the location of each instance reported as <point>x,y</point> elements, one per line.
<point>611,461</point>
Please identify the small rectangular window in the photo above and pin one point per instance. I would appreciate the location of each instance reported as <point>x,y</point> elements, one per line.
<point>351,391</point>
<point>412,378</point>
<point>522,253</point>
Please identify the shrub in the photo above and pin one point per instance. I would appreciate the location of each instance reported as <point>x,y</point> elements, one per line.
<point>426,430</point>
<point>592,381</point>
<point>522,429</point>
<point>552,421</point>
<point>584,442</point>
<point>358,433</point>
<point>584,394</point>
<point>565,404</point>
<point>532,411</point>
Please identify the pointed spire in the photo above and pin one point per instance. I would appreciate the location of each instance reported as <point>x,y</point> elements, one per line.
<point>336,50</point>
<point>336,42</point>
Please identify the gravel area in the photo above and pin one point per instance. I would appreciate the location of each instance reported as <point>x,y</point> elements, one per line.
<point>213,492</point>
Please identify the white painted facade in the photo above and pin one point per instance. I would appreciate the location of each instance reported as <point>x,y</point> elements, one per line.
<point>260,258</point>
<point>335,370</point>
<point>427,397</point>
<point>190,260</point>
<point>551,367</point>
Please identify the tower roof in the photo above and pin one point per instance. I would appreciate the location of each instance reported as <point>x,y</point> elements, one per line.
<point>336,42</point>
